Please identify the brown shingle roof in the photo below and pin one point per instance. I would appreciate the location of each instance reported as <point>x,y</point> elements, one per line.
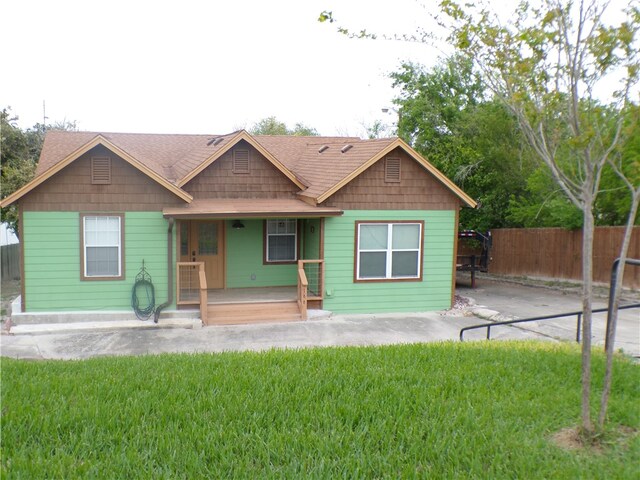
<point>161,153</point>
<point>174,158</point>
<point>325,170</point>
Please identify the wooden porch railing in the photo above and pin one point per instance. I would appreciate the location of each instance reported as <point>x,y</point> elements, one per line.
<point>310,283</point>
<point>314,270</point>
<point>303,284</point>
<point>191,286</point>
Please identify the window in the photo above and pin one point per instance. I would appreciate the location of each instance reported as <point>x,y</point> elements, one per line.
<point>102,246</point>
<point>281,240</point>
<point>389,251</point>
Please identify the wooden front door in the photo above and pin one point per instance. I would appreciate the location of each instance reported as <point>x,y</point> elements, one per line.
<point>205,243</point>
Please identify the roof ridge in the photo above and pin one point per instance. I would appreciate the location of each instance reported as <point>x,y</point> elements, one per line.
<point>100,132</point>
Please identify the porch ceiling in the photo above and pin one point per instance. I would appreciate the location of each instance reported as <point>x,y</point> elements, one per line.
<point>249,208</point>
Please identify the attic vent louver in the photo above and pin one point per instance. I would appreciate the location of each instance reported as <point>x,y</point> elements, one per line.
<point>346,148</point>
<point>323,148</point>
<point>218,141</point>
<point>392,170</point>
<point>211,140</point>
<point>101,170</point>
<point>240,161</point>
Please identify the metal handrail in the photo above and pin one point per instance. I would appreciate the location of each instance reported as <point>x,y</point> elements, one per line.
<point>544,317</point>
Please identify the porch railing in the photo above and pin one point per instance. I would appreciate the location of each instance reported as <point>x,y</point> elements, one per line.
<point>310,283</point>
<point>314,270</point>
<point>191,286</point>
<point>303,285</point>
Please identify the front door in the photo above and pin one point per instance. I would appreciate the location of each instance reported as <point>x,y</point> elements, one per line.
<point>205,243</point>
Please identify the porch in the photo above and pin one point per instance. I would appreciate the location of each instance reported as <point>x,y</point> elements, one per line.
<point>232,306</point>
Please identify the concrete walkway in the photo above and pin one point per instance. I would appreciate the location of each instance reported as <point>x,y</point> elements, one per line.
<point>490,299</point>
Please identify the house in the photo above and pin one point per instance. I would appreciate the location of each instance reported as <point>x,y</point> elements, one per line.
<point>345,224</point>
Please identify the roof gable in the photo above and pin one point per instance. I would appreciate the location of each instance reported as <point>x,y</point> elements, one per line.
<point>381,153</point>
<point>229,143</point>
<point>98,139</point>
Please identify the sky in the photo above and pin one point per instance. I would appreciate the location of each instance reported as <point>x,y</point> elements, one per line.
<point>207,66</point>
<point>203,66</point>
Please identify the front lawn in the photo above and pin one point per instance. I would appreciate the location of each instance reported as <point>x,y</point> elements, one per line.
<point>449,410</point>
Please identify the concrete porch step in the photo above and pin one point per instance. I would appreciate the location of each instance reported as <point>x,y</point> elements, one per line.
<point>100,316</point>
<point>40,328</point>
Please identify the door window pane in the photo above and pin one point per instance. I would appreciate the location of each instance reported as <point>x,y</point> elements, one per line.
<point>184,238</point>
<point>207,238</point>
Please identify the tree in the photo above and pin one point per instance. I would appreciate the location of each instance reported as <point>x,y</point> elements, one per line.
<point>19,153</point>
<point>550,65</point>
<point>546,66</point>
<point>445,114</point>
<point>272,126</point>
<point>626,164</point>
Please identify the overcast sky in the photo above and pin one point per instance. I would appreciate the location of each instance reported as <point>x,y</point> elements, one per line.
<point>204,66</point>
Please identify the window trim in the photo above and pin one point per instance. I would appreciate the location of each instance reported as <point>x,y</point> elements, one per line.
<point>356,256</point>
<point>265,244</point>
<point>83,266</point>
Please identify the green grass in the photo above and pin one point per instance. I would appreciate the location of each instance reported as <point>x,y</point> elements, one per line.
<point>450,410</point>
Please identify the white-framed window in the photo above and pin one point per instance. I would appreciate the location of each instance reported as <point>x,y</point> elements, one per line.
<point>102,246</point>
<point>389,251</point>
<point>281,240</point>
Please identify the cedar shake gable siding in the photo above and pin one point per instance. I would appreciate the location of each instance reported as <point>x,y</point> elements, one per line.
<point>263,180</point>
<point>71,189</point>
<point>417,189</point>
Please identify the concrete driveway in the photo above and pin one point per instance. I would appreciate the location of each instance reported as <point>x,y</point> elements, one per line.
<point>491,298</point>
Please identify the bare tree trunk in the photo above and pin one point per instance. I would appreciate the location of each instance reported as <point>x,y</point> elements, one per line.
<point>613,320</point>
<point>587,290</point>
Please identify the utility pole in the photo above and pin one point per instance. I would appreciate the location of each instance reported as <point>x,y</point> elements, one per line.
<point>44,117</point>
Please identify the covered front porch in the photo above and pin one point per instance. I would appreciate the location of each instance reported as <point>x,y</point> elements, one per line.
<point>248,261</point>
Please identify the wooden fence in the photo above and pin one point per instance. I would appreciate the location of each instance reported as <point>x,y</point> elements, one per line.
<point>10,261</point>
<point>557,253</point>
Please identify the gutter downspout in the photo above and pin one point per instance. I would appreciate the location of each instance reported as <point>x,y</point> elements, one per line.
<point>159,308</point>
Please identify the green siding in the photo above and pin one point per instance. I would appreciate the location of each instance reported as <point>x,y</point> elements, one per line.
<point>343,295</point>
<point>311,240</point>
<point>52,262</point>
<point>245,267</point>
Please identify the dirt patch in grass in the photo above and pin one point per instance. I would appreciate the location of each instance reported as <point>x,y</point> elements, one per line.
<point>571,439</point>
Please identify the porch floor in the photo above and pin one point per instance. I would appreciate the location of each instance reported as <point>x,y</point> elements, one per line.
<point>252,295</point>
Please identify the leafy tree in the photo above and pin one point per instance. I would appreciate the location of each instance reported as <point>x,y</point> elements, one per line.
<point>272,126</point>
<point>446,116</point>
<point>19,153</point>
<point>545,66</point>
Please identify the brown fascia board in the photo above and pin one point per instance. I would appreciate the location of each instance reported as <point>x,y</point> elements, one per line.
<point>97,140</point>
<point>246,136</point>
